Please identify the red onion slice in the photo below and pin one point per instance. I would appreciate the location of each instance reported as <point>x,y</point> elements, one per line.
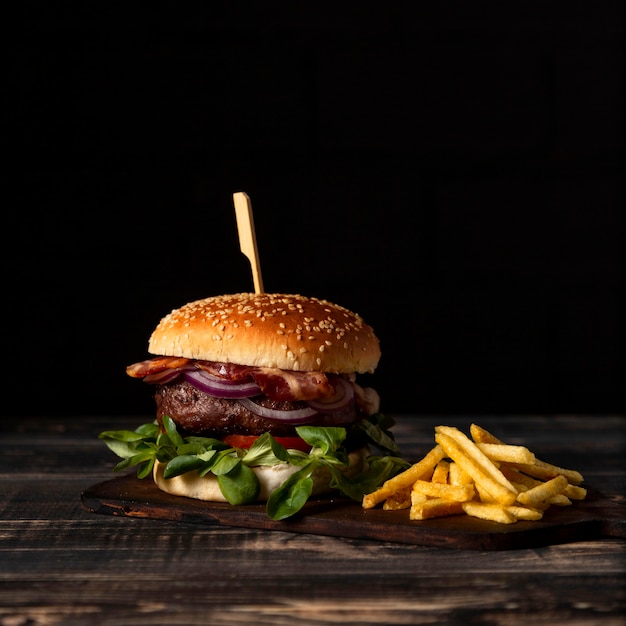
<point>219,388</point>
<point>344,394</point>
<point>289,416</point>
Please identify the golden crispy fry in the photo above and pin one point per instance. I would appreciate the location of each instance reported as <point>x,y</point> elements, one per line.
<point>482,471</point>
<point>574,492</point>
<point>442,469</point>
<point>456,476</point>
<point>417,497</point>
<point>538,469</point>
<point>483,477</point>
<point>559,499</point>
<point>457,493</point>
<point>399,500</point>
<point>472,451</point>
<point>434,507</point>
<point>501,452</point>
<point>518,478</point>
<point>546,471</point>
<point>483,495</point>
<point>525,513</point>
<point>480,435</point>
<point>419,470</point>
<point>541,493</point>
<point>488,511</point>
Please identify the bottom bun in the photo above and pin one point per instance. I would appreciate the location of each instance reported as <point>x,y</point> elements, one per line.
<point>192,485</point>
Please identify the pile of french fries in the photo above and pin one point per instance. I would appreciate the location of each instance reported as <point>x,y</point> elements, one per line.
<point>479,476</point>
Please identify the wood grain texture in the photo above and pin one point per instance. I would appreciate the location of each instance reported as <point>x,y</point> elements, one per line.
<point>593,518</point>
<point>60,564</point>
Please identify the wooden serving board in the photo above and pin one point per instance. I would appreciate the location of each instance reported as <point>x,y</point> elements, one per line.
<point>593,518</point>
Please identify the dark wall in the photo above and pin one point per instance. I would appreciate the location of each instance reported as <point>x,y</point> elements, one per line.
<point>454,174</point>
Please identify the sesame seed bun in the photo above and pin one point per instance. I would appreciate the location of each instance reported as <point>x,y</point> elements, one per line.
<point>289,332</point>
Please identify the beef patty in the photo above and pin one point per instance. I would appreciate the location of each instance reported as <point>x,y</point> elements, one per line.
<point>198,413</point>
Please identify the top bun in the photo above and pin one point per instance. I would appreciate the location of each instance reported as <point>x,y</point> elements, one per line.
<point>289,332</point>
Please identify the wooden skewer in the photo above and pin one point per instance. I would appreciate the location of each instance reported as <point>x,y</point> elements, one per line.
<point>247,236</point>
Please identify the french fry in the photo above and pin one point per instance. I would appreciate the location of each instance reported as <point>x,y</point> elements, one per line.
<point>440,474</point>
<point>399,500</point>
<point>501,452</point>
<point>538,469</point>
<point>525,513</point>
<point>434,507</point>
<point>546,471</point>
<point>483,495</point>
<point>482,471</point>
<point>488,511</point>
<point>559,499</point>
<point>574,492</point>
<point>518,478</point>
<point>456,493</point>
<point>405,479</point>
<point>543,492</point>
<point>456,476</point>
<point>472,451</point>
<point>480,435</point>
<point>482,477</point>
<point>417,497</point>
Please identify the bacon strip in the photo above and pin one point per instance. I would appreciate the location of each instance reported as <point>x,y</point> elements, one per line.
<point>277,384</point>
<point>155,365</point>
<point>282,385</point>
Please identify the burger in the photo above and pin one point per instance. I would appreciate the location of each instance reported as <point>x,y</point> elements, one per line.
<point>257,400</point>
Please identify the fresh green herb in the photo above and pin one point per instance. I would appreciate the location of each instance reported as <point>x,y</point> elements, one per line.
<point>232,466</point>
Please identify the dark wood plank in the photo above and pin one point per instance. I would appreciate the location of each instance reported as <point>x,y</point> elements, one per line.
<point>208,597</point>
<point>593,518</point>
<point>60,563</point>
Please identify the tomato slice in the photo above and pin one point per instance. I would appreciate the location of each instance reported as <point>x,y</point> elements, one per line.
<point>245,441</point>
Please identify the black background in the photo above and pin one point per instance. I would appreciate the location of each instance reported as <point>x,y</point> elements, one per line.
<point>454,173</point>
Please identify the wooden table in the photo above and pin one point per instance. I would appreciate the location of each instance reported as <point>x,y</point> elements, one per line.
<point>62,564</point>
